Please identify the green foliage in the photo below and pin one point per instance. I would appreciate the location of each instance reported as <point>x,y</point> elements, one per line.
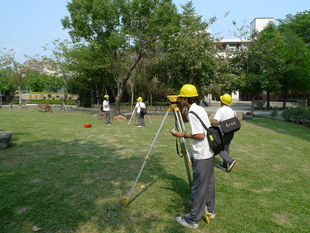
<point>125,32</point>
<point>298,23</point>
<point>297,115</point>
<point>37,81</point>
<point>274,113</point>
<point>47,101</point>
<point>277,60</point>
<point>6,81</point>
<point>187,56</point>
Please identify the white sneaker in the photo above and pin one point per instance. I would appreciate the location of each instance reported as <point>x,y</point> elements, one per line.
<point>139,125</point>
<point>231,166</point>
<point>183,222</point>
<point>212,214</point>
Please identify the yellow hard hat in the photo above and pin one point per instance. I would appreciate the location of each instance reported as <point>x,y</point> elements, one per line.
<point>106,96</point>
<point>188,90</point>
<point>226,99</point>
<point>140,99</point>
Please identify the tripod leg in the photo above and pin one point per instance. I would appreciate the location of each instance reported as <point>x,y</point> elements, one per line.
<point>186,154</point>
<point>147,157</point>
<point>149,119</point>
<point>133,112</point>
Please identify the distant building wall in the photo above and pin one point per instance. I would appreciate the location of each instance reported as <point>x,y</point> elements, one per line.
<point>258,24</point>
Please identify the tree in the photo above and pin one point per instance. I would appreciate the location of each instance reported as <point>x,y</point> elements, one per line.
<point>125,30</point>
<point>262,65</point>
<point>296,31</point>
<point>15,70</point>
<point>298,23</point>
<point>84,70</point>
<point>187,57</point>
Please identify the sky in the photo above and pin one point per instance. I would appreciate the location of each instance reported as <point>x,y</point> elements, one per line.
<point>29,25</point>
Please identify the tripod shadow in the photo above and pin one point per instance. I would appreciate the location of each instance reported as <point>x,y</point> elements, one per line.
<point>141,192</point>
<point>182,189</point>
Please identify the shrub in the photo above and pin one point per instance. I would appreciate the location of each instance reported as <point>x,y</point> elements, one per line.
<point>274,113</point>
<point>47,101</point>
<point>297,115</point>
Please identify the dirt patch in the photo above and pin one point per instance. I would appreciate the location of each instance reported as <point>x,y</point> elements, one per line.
<point>238,184</point>
<point>88,181</point>
<point>281,219</point>
<point>36,181</point>
<point>263,190</point>
<point>23,209</point>
<point>277,167</point>
<point>112,140</point>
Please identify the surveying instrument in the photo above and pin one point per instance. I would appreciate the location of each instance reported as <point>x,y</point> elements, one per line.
<point>179,124</point>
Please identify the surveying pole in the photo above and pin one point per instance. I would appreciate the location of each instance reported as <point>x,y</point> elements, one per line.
<point>184,144</point>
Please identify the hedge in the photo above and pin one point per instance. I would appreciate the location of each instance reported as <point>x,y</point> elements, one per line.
<point>300,115</point>
<point>47,101</point>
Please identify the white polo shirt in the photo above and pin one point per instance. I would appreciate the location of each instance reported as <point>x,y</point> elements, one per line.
<point>201,148</point>
<point>224,113</point>
<point>106,106</point>
<point>139,105</point>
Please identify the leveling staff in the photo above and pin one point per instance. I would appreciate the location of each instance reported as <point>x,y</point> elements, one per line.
<point>203,187</point>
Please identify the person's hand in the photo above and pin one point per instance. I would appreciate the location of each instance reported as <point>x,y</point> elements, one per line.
<point>177,134</point>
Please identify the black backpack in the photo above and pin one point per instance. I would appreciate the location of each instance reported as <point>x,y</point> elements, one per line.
<point>214,136</point>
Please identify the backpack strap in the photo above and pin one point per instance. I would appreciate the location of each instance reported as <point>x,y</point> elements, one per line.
<point>203,124</point>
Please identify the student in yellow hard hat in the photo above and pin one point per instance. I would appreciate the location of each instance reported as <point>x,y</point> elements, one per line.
<point>203,187</point>
<point>106,109</point>
<point>141,111</point>
<point>222,114</point>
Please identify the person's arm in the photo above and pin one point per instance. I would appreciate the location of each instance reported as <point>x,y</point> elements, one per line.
<point>199,136</point>
<point>217,118</point>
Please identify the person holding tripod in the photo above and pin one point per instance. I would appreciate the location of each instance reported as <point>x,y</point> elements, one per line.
<point>106,109</point>
<point>141,108</point>
<point>203,185</point>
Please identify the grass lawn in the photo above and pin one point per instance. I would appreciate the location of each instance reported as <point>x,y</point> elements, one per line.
<point>62,177</point>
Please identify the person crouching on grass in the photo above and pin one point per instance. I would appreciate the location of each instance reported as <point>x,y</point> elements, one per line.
<point>203,187</point>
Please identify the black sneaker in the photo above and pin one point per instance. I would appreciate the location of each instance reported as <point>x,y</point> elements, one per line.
<point>223,167</point>
<point>231,166</point>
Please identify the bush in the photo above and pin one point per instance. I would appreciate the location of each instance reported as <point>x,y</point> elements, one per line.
<point>297,115</point>
<point>274,113</point>
<point>47,101</point>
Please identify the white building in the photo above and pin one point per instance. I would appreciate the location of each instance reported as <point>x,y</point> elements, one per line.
<point>258,24</point>
<point>226,47</point>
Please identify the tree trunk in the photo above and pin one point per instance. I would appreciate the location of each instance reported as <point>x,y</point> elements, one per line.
<point>151,99</point>
<point>132,88</point>
<point>284,98</point>
<point>20,96</point>
<point>63,106</point>
<point>268,100</point>
<point>252,105</point>
<point>120,91</point>
<point>121,83</point>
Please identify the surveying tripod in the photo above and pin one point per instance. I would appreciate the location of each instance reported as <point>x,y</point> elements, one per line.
<point>183,142</point>
<point>133,113</point>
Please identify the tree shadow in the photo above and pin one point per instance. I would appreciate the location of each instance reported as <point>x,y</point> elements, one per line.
<point>75,187</point>
<point>282,127</point>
